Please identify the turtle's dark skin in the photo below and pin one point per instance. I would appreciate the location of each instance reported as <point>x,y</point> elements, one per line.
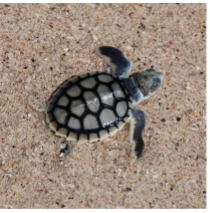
<point>93,106</point>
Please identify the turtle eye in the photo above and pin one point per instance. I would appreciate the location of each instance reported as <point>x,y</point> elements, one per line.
<point>155,84</point>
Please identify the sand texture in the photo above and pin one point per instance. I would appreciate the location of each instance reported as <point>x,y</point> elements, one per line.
<point>41,45</point>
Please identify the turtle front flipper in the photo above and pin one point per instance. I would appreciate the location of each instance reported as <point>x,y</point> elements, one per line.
<point>137,125</point>
<point>116,59</point>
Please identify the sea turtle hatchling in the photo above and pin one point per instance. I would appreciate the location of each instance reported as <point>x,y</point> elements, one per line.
<point>94,105</point>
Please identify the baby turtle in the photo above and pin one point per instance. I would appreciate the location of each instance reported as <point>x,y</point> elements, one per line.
<point>95,105</point>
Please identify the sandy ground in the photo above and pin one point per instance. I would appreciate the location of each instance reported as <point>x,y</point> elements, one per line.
<point>41,45</point>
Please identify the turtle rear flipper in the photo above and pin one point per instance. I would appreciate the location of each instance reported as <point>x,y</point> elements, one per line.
<point>116,59</point>
<point>137,125</point>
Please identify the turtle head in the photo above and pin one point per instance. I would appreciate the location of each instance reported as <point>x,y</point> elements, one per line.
<point>148,82</point>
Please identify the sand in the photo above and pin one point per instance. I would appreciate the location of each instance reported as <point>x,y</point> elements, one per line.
<point>41,45</point>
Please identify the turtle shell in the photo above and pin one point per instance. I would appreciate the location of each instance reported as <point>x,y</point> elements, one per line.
<point>89,107</point>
